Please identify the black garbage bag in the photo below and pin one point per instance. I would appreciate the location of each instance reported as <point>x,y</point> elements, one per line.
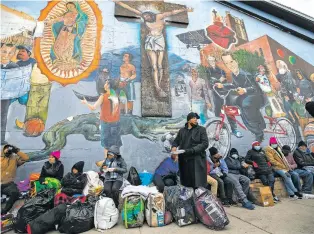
<point>133,177</point>
<point>33,208</point>
<point>47,221</point>
<point>79,218</point>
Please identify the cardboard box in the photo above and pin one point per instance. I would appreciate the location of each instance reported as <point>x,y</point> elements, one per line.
<point>263,195</point>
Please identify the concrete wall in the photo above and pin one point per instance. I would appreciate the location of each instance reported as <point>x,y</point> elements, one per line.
<point>41,102</point>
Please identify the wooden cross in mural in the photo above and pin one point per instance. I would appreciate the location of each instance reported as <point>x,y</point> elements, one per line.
<point>155,86</point>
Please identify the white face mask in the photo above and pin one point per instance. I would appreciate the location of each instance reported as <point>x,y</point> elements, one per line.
<point>257,148</point>
<point>274,146</point>
<point>282,71</point>
<point>235,156</point>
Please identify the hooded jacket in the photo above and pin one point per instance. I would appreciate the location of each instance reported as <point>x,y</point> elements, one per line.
<point>259,161</point>
<point>234,165</point>
<point>303,158</point>
<point>74,183</point>
<point>276,158</point>
<point>55,170</point>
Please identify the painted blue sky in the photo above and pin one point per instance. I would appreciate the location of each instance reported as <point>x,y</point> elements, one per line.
<point>119,34</point>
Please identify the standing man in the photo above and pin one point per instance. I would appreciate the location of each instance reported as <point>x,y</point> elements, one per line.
<point>127,76</point>
<point>199,95</point>
<point>248,97</point>
<point>24,56</point>
<point>192,163</point>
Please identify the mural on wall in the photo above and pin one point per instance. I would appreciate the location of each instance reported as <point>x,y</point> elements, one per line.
<point>136,93</point>
<point>69,48</point>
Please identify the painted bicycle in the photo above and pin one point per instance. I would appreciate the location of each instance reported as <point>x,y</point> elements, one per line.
<point>219,131</point>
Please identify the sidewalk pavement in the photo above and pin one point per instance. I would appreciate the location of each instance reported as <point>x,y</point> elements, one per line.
<point>284,218</point>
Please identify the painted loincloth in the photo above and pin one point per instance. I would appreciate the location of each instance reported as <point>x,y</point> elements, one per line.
<point>155,43</point>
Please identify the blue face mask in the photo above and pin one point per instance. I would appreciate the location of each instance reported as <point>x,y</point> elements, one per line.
<point>258,147</point>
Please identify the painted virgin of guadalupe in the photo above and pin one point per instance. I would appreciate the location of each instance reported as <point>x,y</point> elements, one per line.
<point>67,32</point>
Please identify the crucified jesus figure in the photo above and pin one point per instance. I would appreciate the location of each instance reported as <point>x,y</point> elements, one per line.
<point>155,42</point>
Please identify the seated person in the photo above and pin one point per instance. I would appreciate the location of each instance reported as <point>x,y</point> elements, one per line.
<point>72,184</point>
<point>219,171</point>
<point>11,159</point>
<point>113,168</point>
<point>241,183</point>
<point>210,180</point>
<point>304,158</point>
<point>51,173</point>
<point>281,167</point>
<point>166,173</point>
<point>305,175</point>
<point>256,157</point>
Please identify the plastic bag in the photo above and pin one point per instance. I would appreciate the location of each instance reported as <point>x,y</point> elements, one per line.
<point>33,208</point>
<point>146,178</point>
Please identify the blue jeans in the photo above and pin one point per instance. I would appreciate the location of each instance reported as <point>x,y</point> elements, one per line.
<point>288,181</point>
<point>307,178</point>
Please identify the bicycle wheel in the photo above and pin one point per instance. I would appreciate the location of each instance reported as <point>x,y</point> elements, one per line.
<point>285,133</point>
<point>223,143</point>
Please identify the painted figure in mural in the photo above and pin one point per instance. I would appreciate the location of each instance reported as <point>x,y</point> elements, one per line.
<point>249,98</point>
<point>199,95</point>
<point>304,86</point>
<point>287,104</point>
<point>180,85</point>
<point>7,54</point>
<point>215,75</point>
<point>288,83</point>
<point>109,115</point>
<point>264,83</point>
<point>220,34</point>
<point>126,85</point>
<point>68,31</point>
<point>23,55</point>
<point>299,109</point>
<point>155,44</point>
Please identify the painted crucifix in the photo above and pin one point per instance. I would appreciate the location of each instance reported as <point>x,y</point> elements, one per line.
<point>155,86</point>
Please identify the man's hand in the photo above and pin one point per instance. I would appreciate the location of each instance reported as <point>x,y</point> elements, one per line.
<point>241,91</point>
<point>245,165</point>
<point>217,164</point>
<point>219,85</point>
<point>257,79</point>
<point>209,105</point>
<point>222,79</point>
<point>15,149</point>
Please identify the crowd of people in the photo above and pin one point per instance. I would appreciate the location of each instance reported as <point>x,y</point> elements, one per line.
<point>191,164</point>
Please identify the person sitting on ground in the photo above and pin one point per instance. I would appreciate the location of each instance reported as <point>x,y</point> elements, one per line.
<point>304,158</point>
<point>72,184</point>
<point>166,173</point>
<point>305,175</point>
<point>241,183</point>
<point>113,168</point>
<point>256,157</point>
<point>219,171</point>
<point>281,167</point>
<point>211,181</point>
<point>51,173</point>
<point>11,159</point>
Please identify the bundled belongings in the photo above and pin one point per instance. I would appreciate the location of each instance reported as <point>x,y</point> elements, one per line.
<point>106,214</point>
<point>209,210</point>
<point>62,198</point>
<point>155,210</point>
<point>179,201</point>
<point>141,190</point>
<point>47,221</point>
<point>133,211</point>
<point>133,177</point>
<point>7,223</point>
<point>79,218</point>
<point>94,185</point>
<point>33,208</point>
<point>49,183</point>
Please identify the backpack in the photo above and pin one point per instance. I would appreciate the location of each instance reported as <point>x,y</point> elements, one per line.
<point>155,210</point>
<point>209,210</point>
<point>133,211</point>
<point>106,214</point>
<point>179,201</point>
<point>133,177</point>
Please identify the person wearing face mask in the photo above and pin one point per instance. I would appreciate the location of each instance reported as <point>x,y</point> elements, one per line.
<point>305,175</point>
<point>219,171</point>
<point>281,167</point>
<point>113,168</point>
<point>256,157</point>
<point>241,183</point>
<point>11,159</point>
<point>193,140</point>
<point>304,158</point>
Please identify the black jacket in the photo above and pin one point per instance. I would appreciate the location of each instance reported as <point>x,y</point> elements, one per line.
<point>303,158</point>
<point>74,183</point>
<point>55,170</point>
<point>258,157</point>
<point>192,164</point>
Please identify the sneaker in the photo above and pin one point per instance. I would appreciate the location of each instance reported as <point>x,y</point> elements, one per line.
<point>248,205</point>
<point>299,195</point>
<point>232,203</point>
<point>293,197</point>
<point>225,203</point>
<point>276,199</point>
<point>237,133</point>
